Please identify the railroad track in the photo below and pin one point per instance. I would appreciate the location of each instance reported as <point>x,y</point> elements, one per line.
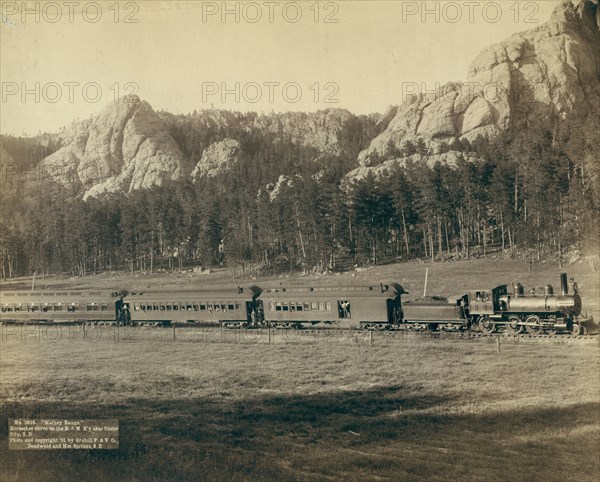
<point>440,334</point>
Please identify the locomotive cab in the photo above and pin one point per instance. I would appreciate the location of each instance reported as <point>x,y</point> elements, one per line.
<point>485,301</point>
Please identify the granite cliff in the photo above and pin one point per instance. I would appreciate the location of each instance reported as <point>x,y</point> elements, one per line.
<point>534,78</point>
<point>531,78</point>
<point>125,147</point>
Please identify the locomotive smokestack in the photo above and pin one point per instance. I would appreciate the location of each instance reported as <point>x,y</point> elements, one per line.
<point>564,287</point>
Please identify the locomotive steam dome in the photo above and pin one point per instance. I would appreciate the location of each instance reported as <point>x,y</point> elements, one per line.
<point>548,290</point>
<point>519,290</point>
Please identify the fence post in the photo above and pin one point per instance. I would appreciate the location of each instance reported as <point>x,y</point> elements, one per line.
<point>371,338</point>
<point>498,343</point>
<point>173,331</point>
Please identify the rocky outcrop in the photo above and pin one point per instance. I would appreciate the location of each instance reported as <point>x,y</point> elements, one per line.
<point>219,158</point>
<point>386,168</point>
<point>125,147</point>
<point>283,186</point>
<point>325,130</point>
<point>549,72</point>
<point>535,77</point>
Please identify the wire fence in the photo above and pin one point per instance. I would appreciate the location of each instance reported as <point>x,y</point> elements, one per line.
<point>48,333</point>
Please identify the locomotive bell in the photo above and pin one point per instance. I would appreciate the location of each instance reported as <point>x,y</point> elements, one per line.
<point>548,290</point>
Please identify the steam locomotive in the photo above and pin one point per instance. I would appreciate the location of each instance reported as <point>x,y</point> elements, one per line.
<point>377,307</point>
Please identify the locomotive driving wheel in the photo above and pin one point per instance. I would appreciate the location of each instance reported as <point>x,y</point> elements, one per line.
<point>486,324</point>
<point>514,324</point>
<point>533,324</point>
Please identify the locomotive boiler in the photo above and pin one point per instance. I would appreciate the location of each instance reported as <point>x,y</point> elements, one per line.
<point>539,311</point>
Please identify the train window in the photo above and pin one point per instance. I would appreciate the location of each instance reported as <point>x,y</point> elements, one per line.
<point>46,307</point>
<point>231,306</point>
<point>210,307</point>
<point>238,306</point>
<point>189,307</point>
<point>278,306</point>
<point>136,306</point>
<point>313,306</point>
<point>202,306</point>
<point>72,307</point>
<point>33,307</point>
<point>104,307</point>
<point>143,306</point>
<point>58,307</point>
<point>6,308</point>
<point>321,306</point>
<point>328,305</point>
<point>482,296</point>
<point>292,306</point>
<point>175,306</point>
<point>285,306</point>
<point>299,306</point>
<point>169,307</point>
<point>19,307</point>
<point>223,306</point>
<point>162,306</point>
<point>196,307</point>
<point>306,306</point>
<point>155,306</point>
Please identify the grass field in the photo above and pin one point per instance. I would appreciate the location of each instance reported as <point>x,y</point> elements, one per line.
<point>401,409</point>
<point>312,409</point>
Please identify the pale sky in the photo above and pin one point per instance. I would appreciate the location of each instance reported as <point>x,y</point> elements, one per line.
<point>57,64</point>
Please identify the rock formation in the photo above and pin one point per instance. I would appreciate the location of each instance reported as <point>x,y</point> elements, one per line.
<point>533,78</point>
<point>125,147</point>
<point>546,73</point>
<point>219,158</point>
<point>386,168</point>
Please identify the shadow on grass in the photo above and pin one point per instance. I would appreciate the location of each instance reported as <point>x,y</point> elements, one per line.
<point>388,432</point>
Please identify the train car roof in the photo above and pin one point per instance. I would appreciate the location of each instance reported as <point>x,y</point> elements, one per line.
<point>48,294</point>
<point>329,291</point>
<point>242,293</point>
